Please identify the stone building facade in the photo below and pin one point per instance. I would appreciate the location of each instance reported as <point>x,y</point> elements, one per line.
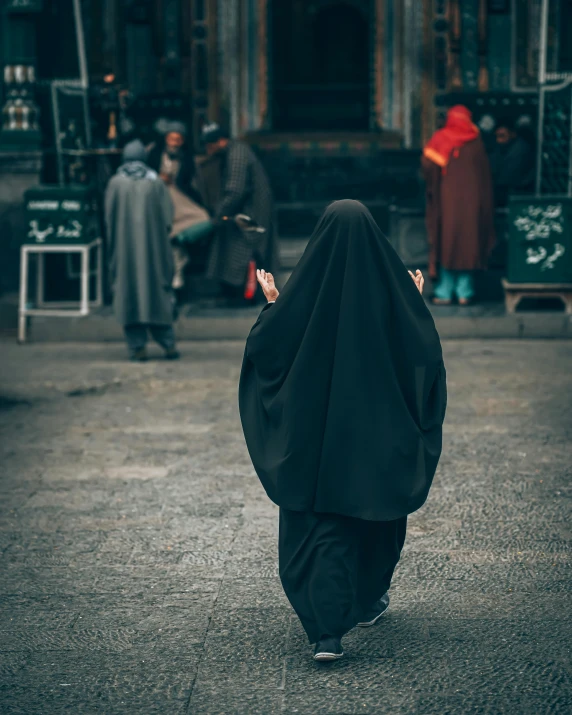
<point>322,87</point>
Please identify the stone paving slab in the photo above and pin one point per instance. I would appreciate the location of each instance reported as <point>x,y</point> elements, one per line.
<point>138,552</point>
<point>480,321</point>
<point>87,682</point>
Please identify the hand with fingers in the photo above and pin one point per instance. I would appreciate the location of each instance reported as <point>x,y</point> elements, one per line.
<point>418,280</point>
<point>267,284</point>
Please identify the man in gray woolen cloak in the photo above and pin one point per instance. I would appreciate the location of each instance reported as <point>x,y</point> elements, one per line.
<point>139,214</point>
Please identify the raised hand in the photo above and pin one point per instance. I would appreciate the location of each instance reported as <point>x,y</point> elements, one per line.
<point>418,280</point>
<point>267,284</point>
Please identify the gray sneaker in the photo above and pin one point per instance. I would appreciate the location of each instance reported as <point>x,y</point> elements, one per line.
<point>328,649</point>
<point>375,612</point>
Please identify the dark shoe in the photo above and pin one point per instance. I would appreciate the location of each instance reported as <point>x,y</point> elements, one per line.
<point>139,355</point>
<point>172,354</point>
<point>179,295</point>
<point>328,649</point>
<point>376,612</point>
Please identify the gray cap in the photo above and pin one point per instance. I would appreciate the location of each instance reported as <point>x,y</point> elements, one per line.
<point>166,126</point>
<point>134,151</point>
<point>177,127</point>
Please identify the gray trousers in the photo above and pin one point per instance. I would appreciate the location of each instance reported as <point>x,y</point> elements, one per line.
<point>136,336</point>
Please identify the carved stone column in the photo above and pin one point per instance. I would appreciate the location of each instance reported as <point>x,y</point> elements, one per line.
<point>441,16</point>
<point>204,65</point>
<point>413,71</point>
<point>171,45</point>
<point>377,63</point>
<point>228,69</point>
<point>469,48</point>
<point>428,76</point>
<point>455,74</point>
<point>483,80</point>
<point>264,118</point>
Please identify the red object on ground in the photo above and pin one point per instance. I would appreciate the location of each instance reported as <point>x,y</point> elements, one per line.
<point>250,287</point>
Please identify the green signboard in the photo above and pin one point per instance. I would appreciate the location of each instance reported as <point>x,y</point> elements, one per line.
<point>61,214</point>
<point>540,240</point>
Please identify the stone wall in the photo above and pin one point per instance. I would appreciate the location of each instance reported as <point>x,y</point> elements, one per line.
<point>17,173</point>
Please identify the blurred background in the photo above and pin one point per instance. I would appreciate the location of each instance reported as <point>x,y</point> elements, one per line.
<point>337,98</point>
<point>137,550</point>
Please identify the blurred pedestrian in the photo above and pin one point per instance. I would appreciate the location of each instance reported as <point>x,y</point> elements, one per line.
<point>173,160</point>
<point>459,207</point>
<point>512,162</point>
<point>139,214</point>
<point>233,181</point>
<point>342,398</point>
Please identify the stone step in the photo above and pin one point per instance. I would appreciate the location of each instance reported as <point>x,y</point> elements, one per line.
<point>204,323</point>
<point>329,175</point>
<point>320,206</point>
<point>290,250</point>
<point>297,219</point>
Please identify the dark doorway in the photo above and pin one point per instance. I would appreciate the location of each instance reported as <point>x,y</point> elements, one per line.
<point>321,53</point>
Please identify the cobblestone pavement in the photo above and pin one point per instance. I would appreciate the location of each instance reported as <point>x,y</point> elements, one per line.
<point>138,551</point>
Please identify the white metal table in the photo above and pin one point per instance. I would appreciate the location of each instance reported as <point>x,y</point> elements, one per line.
<point>53,308</point>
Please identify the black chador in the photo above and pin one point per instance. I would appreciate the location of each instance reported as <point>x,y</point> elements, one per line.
<point>342,399</point>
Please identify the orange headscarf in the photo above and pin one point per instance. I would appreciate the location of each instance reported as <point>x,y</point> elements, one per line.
<point>458,131</point>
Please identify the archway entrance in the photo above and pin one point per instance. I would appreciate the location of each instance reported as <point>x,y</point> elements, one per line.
<point>321,65</point>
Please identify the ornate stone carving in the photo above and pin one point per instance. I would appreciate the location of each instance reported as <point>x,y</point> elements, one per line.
<point>378,49</point>
<point>455,75</point>
<point>483,79</point>
<point>263,64</point>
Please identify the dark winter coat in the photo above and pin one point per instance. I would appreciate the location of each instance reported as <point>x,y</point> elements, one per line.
<point>232,182</point>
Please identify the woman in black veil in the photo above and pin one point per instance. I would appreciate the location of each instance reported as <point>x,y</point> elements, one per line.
<point>342,400</point>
